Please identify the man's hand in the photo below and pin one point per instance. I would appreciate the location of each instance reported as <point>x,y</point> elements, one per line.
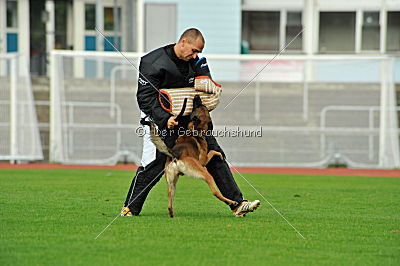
<point>172,122</point>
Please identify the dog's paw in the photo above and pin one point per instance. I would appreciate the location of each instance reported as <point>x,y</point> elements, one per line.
<point>171,212</point>
<point>217,153</point>
<point>234,203</point>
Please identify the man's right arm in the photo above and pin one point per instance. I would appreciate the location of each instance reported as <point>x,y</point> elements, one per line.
<point>147,94</point>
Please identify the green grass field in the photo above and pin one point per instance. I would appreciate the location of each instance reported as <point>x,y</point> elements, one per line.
<point>51,217</point>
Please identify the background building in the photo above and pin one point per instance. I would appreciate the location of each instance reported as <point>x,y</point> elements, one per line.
<point>230,26</point>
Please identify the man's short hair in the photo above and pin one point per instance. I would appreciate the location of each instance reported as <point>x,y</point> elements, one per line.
<point>192,34</point>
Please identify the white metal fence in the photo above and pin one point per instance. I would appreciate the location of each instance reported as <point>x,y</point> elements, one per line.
<point>311,111</point>
<point>19,133</point>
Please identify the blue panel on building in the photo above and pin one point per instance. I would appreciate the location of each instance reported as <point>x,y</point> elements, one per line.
<point>219,21</point>
<point>90,43</point>
<point>109,47</point>
<point>12,42</point>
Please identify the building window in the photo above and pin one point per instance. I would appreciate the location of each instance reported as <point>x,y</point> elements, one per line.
<point>370,31</point>
<point>393,32</point>
<point>293,27</point>
<point>110,23</point>
<point>90,16</point>
<point>260,30</point>
<point>337,32</point>
<point>12,14</point>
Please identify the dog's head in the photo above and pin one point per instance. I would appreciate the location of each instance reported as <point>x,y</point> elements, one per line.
<point>200,119</point>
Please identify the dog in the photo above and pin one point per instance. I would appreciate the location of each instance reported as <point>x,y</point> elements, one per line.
<point>189,155</point>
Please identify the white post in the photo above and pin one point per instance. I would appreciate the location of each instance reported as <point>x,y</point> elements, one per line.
<point>282,30</point>
<point>99,38</point>
<point>55,147</point>
<point>50,30</point>
<point>383,26</point>
<point>315,28</point>
<point>13,109</point>
<point>140,26</point>
<point>23,31</point>
<point>79,37</point>
<point>383,113</point>
<point>388,131</point>
<point>78,13</point>
<point>309,35</point>
<point>99,24</point>
<point>393,118</point>
<point>308,24</point>
<point>52,135</point>
<point>359,22</point>
<point>309,49</point>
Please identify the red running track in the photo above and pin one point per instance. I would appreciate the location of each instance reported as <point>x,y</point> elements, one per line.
<point>259,170</point>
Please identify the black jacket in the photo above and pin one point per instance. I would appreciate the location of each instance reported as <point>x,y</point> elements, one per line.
<point>158,69</point>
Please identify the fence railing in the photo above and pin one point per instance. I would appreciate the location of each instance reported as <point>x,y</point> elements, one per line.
<point>291,100</point>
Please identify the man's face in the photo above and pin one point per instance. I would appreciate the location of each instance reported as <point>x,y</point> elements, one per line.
<point>190,50</point>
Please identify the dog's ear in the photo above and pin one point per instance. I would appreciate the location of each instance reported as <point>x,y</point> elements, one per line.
<point>197,102</point>
<point>210,126</point>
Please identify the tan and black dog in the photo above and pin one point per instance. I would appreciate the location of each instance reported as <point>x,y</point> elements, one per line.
<point>189,155</point>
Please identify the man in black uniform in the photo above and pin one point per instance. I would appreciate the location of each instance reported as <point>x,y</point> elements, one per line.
<point>174,66</point>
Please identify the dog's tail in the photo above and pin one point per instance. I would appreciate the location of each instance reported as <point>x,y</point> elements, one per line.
<point>155,138</point>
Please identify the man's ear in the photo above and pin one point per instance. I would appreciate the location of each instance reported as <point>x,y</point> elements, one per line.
<point>183,41</point>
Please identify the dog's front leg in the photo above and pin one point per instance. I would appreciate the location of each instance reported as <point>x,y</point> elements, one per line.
<point>211,154</point>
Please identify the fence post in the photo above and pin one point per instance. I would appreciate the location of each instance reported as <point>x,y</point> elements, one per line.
<point>388,136</point>
<point>55,109</point>
<point>13,108</point>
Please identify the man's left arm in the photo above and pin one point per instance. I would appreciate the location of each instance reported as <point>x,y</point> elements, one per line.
<point>201,67</point>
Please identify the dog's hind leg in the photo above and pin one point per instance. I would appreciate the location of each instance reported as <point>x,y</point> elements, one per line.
<point>171,175</point>
<point>192,167</point>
